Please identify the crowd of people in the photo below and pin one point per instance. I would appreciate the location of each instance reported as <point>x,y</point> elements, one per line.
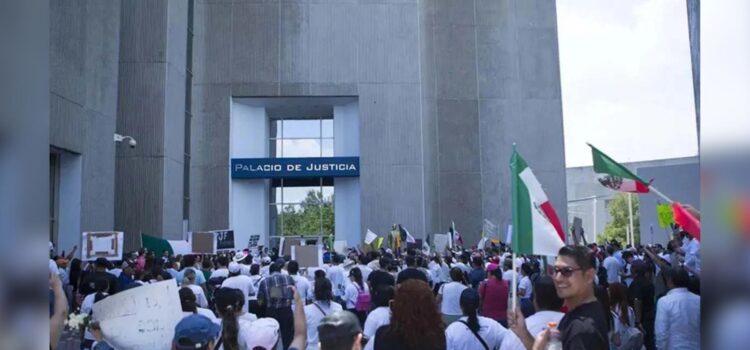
<point>588,297</point>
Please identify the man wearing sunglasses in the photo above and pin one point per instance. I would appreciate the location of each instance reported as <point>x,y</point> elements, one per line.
<point>585,326</point>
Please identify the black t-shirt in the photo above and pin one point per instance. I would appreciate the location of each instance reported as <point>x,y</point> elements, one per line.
<point>411,273</point>
<point>386,340</point>
<point>87,282</point>
<point>585,327</point>
<point>379,278</point>
<point>643,289</point>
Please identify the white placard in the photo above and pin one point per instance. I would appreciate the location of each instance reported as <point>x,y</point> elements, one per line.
<point>140,318</point>
<point>107,244</point>
<point>370,237</point>
<point>441,242</point>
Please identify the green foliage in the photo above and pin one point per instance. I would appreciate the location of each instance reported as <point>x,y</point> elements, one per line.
<point>616,229</point>
<point>306,218</point>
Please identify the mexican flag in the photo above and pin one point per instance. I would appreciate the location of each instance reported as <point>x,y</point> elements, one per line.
<point>615,176</point>
<point>158,245</point>
<point>536,227</point>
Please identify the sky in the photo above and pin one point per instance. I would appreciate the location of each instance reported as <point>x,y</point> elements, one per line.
<point>626,80</point>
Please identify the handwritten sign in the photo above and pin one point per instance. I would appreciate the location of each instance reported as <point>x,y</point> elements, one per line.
<point>666,215</point>
<point>108,245</point>
<point>140,318</point>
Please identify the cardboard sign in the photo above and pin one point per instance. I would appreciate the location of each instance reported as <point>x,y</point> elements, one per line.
<point>108,245</point>
<point>224,240</point>
<point>203,242</point>
<point>288,243</point>
<point>370,237</point>
<point>140,318</point>
<point>308,256</point>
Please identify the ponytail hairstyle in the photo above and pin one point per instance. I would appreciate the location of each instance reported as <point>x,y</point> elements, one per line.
<point>320,274</point>
<point>323,289</point>
<point>469,305</point>
<point>357,274</point>
<point>229,303</point>
<point>188,300</point>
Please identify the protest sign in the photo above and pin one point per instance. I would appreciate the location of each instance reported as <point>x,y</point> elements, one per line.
<point>140,318</point>
<point>288,243</point>
<point>577,230</point>
<point>253,241</point>
<point>509,234</point>
<point>108,245</point>
<point>308,256</point>
<point>203,242</point>
<point>370,237</point>
<point>441,241</point>
<point>224,239</point>
<point>490,229</point>
<point>665,214</point>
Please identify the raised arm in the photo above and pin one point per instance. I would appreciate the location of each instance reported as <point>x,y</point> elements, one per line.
<point>300,323</point>
<point>57,320</point>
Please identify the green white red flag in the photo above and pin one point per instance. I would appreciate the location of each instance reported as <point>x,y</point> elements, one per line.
<point>616,176</point>
<point>536,227</point>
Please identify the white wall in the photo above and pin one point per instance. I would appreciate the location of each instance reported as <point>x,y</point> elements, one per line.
<point>248,199</point>
<point>69,210</point>
<point>347,193</point>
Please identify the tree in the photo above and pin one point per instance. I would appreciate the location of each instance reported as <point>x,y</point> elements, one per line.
<point>307,217</point>
<point>616,229</point>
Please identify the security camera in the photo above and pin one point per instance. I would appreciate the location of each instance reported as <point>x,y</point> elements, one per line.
<point>131,141</point>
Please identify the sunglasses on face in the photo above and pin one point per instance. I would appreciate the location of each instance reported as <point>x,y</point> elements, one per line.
<point>565,271</point>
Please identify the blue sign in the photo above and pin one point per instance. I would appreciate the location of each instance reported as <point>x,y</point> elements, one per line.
<point>269,168</point>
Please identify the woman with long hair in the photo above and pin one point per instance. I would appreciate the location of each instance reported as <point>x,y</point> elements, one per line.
<point>449,296</point>
<point>623,316</point>
<point>415,320</point>
<point>321,307</point>
<point>357,295</point>
<point>525,289</point>
<point>473,331</point>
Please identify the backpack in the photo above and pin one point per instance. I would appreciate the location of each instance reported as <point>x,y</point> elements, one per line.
<point>363,300</point>
<point>631,338</point>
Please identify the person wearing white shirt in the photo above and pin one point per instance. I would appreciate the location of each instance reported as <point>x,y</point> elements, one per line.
<point>188,280</point>
<point>612,265</point>
<point>380,316</point>
<point>678,314</point>
<point>449,296</point>
<point>462,264</point>
<point>302,284</point>
<point>366,270</point>
<point>221,268</point>
<point>691,247</point>
<point>352,291</point>
<point>189,304</point>
<point>239,281</point>
<point>321,307</point>
<point>471,331</point>
<point>335,274</point>
<point>508,270</point>
<point>547,304</point>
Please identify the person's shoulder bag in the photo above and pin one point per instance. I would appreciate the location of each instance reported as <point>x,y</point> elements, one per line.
<point>476,334</point>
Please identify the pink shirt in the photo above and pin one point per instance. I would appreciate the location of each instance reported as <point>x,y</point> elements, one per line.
<point>494,294</point>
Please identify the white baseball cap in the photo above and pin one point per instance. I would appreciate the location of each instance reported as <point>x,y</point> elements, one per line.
<point>233,267</point>
<point>263,333</point>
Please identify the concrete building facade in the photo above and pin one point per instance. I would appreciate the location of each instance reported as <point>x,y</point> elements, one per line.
<point>437,91</point>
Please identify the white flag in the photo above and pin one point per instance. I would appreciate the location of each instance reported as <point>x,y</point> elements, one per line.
<point>370,237</point>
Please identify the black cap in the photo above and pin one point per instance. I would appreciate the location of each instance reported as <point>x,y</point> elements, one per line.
<point>338,325</point>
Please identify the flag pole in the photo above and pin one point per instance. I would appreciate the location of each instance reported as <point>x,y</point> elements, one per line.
<point>656,192</point>
<point>514,286</point>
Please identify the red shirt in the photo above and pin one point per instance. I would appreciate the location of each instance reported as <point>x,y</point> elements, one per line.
<point>494,294</point>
